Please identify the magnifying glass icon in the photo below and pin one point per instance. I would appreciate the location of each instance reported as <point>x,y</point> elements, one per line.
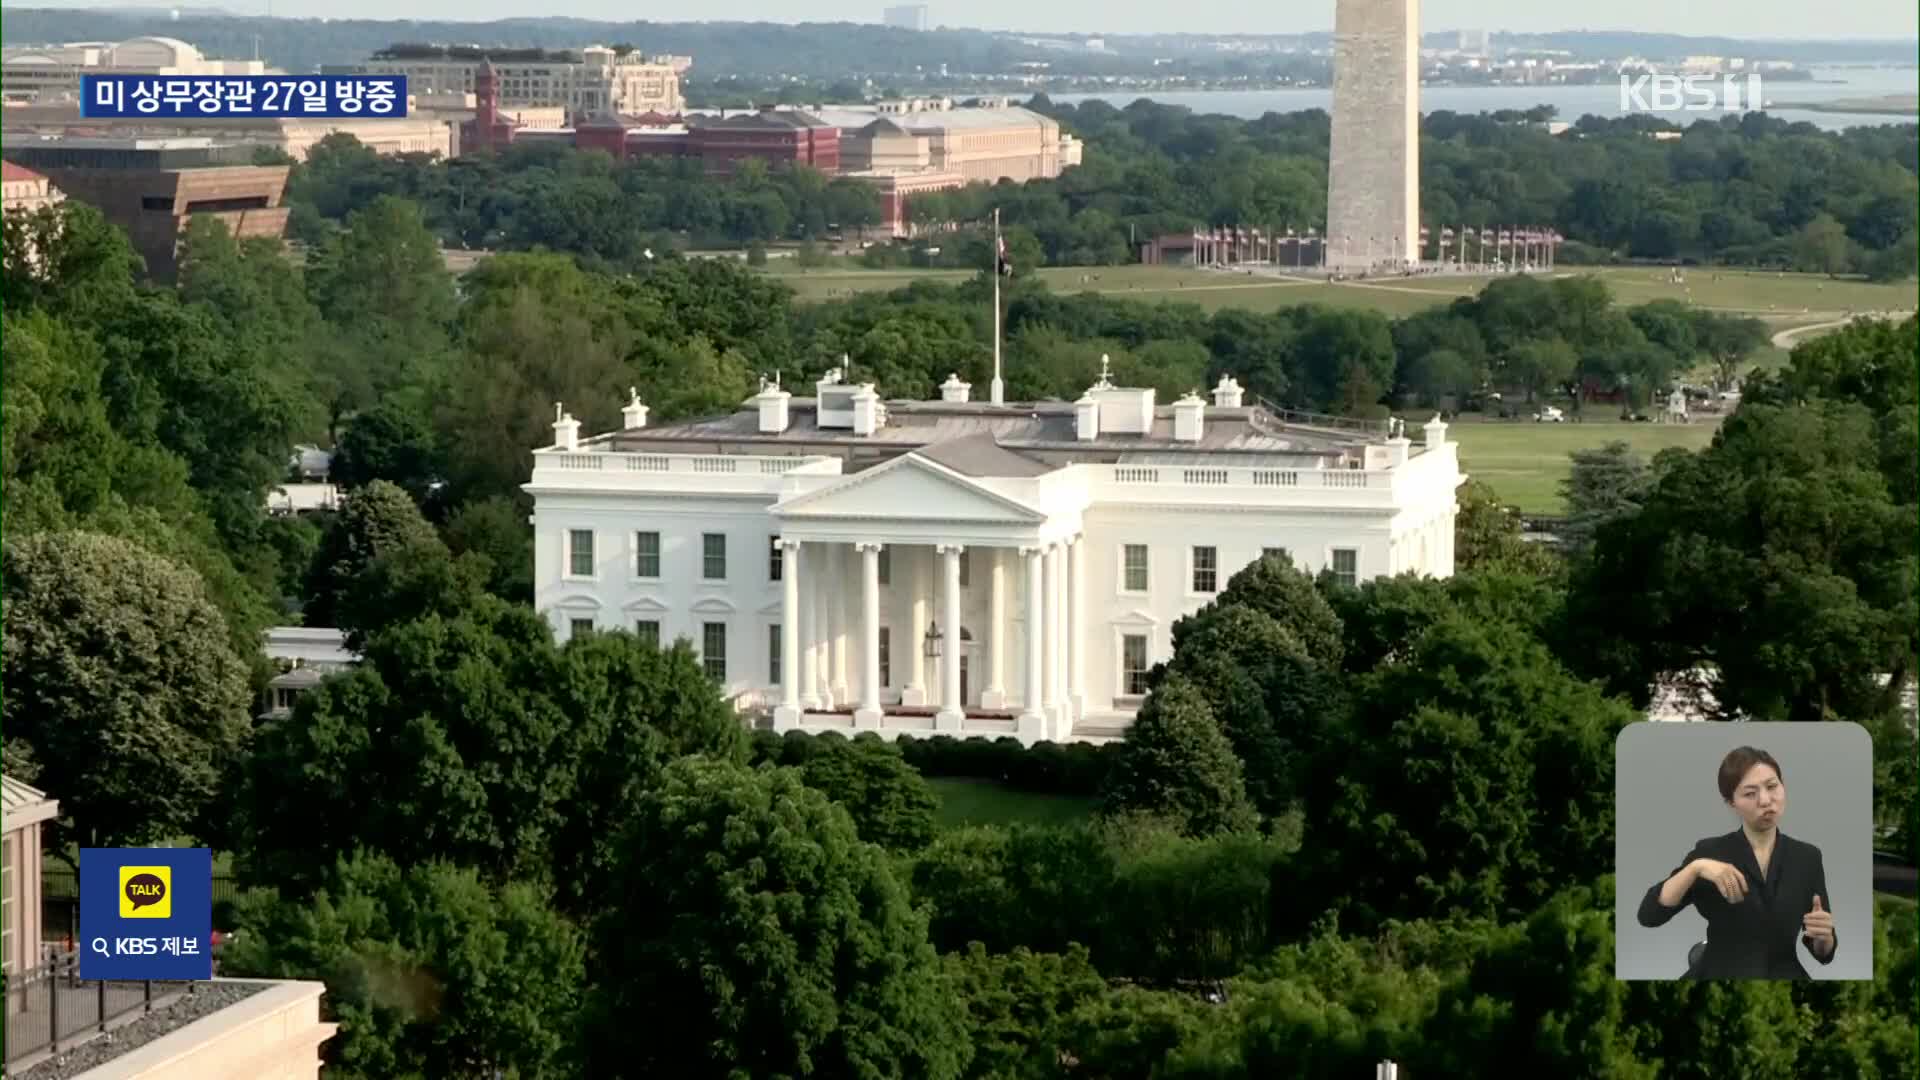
<point>100,946</point>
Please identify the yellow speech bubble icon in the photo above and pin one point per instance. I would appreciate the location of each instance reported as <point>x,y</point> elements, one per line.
<point>146,892</point>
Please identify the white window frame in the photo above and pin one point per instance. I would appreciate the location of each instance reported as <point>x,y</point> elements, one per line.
<point>1123,589</point>
<point>776,559</point>
<point>1122,693</point>
<point>776,662</point>
<point>593,554</point>
<point>1335,571</point>
<point>659,632</point>
<point>659,554</point>
<point>1193,553</point>
<point>726,640</point>
<point>573,625</point>
<point>886,564</point>
<point>724,568</point>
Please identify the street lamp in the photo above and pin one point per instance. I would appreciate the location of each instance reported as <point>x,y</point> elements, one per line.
<point>932,645</point>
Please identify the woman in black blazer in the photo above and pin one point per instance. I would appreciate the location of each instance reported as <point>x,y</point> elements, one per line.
<point>1758,889</point>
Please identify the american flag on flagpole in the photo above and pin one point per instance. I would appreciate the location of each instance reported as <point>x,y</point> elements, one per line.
<point>1001,264</point>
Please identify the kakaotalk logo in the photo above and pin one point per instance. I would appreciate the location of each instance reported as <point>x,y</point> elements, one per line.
<point>146,892</point>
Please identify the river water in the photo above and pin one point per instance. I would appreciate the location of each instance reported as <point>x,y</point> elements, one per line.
<point>1831,84</point>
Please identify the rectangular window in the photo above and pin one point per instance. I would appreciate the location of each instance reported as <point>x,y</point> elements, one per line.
<point>1135,559</point>
<point>713,556</point>
<point>1206,569</point>
<point>646,554</point>
<point>713,650</point>
<point>1133,665</point>
<point>886,565</point>
<point>1274,553</point>
<point>966,568</point>
<point>1346,566</point>
<point>580,552</point>
<point>580,627</point>
<point>775,564</point>
<point>773,654</point>
<point>648,631</point>
<point>886,656</point>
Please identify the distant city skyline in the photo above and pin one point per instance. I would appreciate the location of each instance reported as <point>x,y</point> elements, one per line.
<point>1746,19</point>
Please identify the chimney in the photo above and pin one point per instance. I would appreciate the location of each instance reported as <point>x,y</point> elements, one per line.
<point>1436,432</point>
<point>1227,394</point>
<point>566,430</point>
<point>635,414</point>
<point>1189,418</point>
<point>866,410</point>
<point>1086,418</point>
<point>955,390</point>
<point>773,406</point>
<point>1398,448</point>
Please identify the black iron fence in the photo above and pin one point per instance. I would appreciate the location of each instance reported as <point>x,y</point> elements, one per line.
<point>49,1008</point>
<point>60,902</point>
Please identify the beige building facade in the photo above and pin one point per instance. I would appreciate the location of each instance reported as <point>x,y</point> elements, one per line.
<point>26,190</point>
<point>52,72</point>
<point>601,81</point>
<point>983,143</point>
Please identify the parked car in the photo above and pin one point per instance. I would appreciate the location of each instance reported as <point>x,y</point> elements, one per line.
<point>1551,414</point>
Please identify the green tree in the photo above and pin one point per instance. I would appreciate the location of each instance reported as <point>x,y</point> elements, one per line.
<point>1020,1005</point>
<point>121,681</point>
<point>1487,533</point>
<point>1178,765</point>
<point>764,938</point>
<point>376,520</point>
<point>429,970</point>
<point>1604,485</point>
<point>476,740</point>
<point>889,802</point>
<point>1822,245</point>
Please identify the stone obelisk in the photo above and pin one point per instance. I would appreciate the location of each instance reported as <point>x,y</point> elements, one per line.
<point>1373,173</point>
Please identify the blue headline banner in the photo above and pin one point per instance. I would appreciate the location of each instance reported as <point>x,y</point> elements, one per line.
<point>146,913</point>
<point>271,96</point>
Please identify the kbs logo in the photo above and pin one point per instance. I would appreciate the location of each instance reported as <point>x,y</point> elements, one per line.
<point>146,892</point>
<point>1691,93</point>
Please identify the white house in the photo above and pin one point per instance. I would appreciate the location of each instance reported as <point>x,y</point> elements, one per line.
<point>956,566</point>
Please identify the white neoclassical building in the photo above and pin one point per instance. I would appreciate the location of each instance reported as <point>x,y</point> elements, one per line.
<point>955,566</point>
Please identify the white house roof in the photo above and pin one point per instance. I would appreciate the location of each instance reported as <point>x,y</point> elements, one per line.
<point>23,804</point>
<point>1252,436</point>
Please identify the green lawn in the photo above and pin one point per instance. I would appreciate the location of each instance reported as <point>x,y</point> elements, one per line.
<point>984,802</point>
<point>1524,462</point>
<point>1784,298</point>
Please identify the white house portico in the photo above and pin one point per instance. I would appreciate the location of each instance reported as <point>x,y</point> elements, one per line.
<point>957,567</point>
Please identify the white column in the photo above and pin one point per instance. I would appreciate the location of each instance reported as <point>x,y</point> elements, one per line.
<point>910,563</point>
<point>787,715</point>
<point>1032,718</point>
<point>952,709</point>
<point>1077,628</point>
<point>809,656</point>
<point>995,694</point>
<point>837,619</point>
<point>868,714</point>
<point>1050,634</point>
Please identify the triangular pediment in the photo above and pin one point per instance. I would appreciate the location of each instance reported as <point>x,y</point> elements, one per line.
<point>646,605</point>
<point>909,487</point>
<point>1136,617</point>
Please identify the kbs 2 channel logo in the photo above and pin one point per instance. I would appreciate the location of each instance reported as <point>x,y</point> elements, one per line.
<point>146,892</point>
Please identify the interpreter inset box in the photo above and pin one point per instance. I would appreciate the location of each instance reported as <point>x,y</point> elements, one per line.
<point>1743,851</point>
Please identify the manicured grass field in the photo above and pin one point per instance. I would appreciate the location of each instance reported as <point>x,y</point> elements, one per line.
<point>1782,298</point>
<point>983,802</point>
<point>1525,462</point>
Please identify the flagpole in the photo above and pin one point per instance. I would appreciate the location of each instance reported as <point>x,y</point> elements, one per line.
<point>999,395</point>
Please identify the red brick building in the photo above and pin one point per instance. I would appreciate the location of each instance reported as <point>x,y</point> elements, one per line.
<point>778,138</point>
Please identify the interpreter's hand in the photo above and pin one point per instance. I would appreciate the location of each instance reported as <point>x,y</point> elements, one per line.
<point>1725,877</point>
<point>1816,929</point>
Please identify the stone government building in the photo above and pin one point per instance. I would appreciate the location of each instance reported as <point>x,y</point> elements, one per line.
<point>958,567</point>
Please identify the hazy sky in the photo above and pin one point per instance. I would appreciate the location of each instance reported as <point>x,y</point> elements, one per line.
<point>1742,18</point>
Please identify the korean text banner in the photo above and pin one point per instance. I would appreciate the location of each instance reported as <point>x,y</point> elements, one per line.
<point>146,913</point>
<point>271,96</point>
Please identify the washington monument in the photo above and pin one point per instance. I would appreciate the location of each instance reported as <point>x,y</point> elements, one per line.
<point>1373,175</point>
